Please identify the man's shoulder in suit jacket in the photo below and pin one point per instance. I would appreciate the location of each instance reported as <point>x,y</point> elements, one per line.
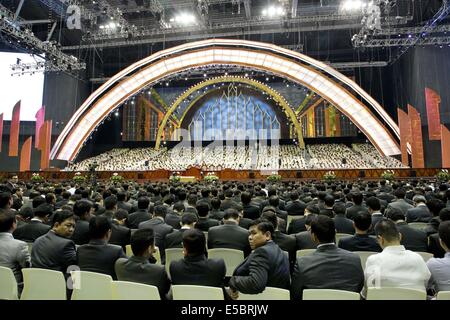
<point>138,269</point>
<point>359,243</point>
<point>120,235</point>
<point>174,239</point>
<point>198,270</point>
<point>137,217</point>
<point>229,236</point>
<point>297,225</point>
<point>30,231</point>
<point>304,241</point>
<point>81,234</point>
<point>418,214</point>
<point>413,239</point>
<point>343,225</point>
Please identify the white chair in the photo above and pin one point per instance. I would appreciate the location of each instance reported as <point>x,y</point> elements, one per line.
<point>43,284</point>
<point>124,290</point>
<point>269,293</point>
<point>173,254</point>
<point>185,292</point>
<point>339,236</point>
<point>425,255</point>
<point>418,225</point>
<point>91,286</point>
<point>443,295</point>
<point>157,254</point>
<point>8,287</point>
<point>304,252</point>
<point>395,294</point>
<point>232,258</point>
<point>363,255</point>
<point>329,294</point>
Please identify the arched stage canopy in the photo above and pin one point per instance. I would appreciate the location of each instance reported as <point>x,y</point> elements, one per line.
<point>317,76</point>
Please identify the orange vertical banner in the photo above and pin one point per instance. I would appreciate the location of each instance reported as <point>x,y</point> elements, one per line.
<point>1,131</point>
<point>40,118</point>
<point>14,132</point>
<point>433,114</point>
<point>25,155</point>
<point>405,134</point>
<point>311,126</point>
<point>46,135</point>
<point>445,146</point>
<point>418,159</point>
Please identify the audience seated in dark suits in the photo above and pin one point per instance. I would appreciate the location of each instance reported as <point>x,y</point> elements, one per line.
<point>204,221</point>
<point>140,215</point>
<point>357,198</point>
<point>120,234</point>
<point>55,250</point>
<point>361,241</point>
<point>440,267</point>
<point>328,204</point>
<point>216,213</point>
<point>399,202</point>
<point>420,213</point>
<point>374,206</point>
<point>435,206</point>
<point>99,256</point>
<point>274,201</point>
<point>173,217</point>
<point>434,245</point>
<point>195,268</point>
<point>328,267</point>
<point>295,207</point>
<point>138,268</point>
<point>343,224</point>
<point>122,202</point>
<point>37,226</point>
<point>250,211</point>
<point>298,225</point>
<point>175,238</point>
<point>230,234</point>
<point>266,266</point>
<point>229,203</point>
<point>83,213</point>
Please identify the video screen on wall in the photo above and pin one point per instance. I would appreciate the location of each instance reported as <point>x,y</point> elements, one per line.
<point>28,88</point>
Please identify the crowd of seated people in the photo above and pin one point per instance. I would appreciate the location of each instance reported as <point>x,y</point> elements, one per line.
<point>253,157</point>
<point>91,227</point>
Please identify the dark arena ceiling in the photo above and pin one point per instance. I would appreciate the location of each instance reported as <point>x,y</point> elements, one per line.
<point>114,33</point>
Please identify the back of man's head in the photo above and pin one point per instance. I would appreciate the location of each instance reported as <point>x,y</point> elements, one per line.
<point>215,203</point>
<point>110,202</point>
<point>141,240</point>
<point>324,229</point>
<point>357,198</point>
<point>5,198</point>
<point>339,208</point>
<point>435,206</point>
<point>388,230</point>
<point>179,207</point>
<point>231,214</point>
<point>121,196</point>
<point>329,200</point>
<point>246,197</point>
<point>121,214</point>
<point>321,195</point>
<point>400,193</point>
<point>99,227</point>
<point>419,199</point>
<point>194,242</point>
<point>202,209</point>
<point>205,192</point>
<point>396,214</point>
<point>143,203</point>
<point>7,220</point>
<point>363,221</point>
<point>444,233</point>
<point>271,217</point>
<point>228,193</point>
<point>274,201</point>
<point>37,201</point>
<point>81,208</point>
<point>61,215</point>
<point>188,219</point>
<point>160,211</point>
<point>444,214</point>
<point>373,203</point>
<point>294,195</point>
<point>43,211</point>
<point>312,208</point>
<point>192,199</point>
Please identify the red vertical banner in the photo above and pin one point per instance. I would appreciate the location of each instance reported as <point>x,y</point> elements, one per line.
<point>1,131</point>
<point>40,118</point>
<point>46,136</point>
<point>405,134</point>
<point>25,155</point>
<point>14,132</point>
<point>434,119</point>
<point>445,146</point>
<point>418,160</point>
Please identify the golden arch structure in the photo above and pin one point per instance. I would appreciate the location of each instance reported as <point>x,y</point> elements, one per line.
<point>317,76</point>
<point>278,98</point>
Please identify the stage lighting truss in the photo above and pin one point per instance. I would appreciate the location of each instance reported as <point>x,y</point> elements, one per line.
<point>56,59</point>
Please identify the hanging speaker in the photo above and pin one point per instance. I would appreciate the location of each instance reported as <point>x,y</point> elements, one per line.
<point>251,175</point>
<point>362,174</point>
<point>299,174</point>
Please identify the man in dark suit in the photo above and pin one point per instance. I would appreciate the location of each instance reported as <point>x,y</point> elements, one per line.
<point>304,239</point>
<point>274,201</point>
<point>37,226</point>
<point>328,267</point>
<point>228,203</point>
<point>434,245</point>
<point>204,222</point>
<point>82,210</point>
<point>361,241</point>
<point>138,268</point>
<point>273,192</point>
<point>173,217</point>
<point>160,228</point>
<point>230,234</point>
<point>412,239</point>
<point>250,211</point>
<point>205,197</point>
<point>374,207</point>
<point>399,203</point>
<point>191,203</point>
<point>266,266</point>
<point>295,207</point>
<point>120,234</point>
<point>55,250</point>
<point>216,213</point>
<point>298,225</point>
<point>195,268</point>
<point>122,202</point>
<point>175,238</point>
<point>343,225</point>
<point>420,213</point>
<point>328,204</point>
<point>141,214</point>
<point>99,256</point>
<point>357,199</point>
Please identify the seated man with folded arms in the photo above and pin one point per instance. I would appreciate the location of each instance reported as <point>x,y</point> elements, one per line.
<point>138,268</point>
